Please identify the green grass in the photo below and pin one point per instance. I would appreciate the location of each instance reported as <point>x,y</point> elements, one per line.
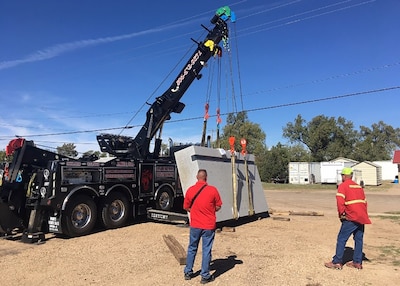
<point>390,252</point>
<point>294,187</point>
<point>392,216</point>
<point>271,186</point>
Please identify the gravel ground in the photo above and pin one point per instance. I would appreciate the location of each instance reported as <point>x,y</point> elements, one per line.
<point>263,252</point>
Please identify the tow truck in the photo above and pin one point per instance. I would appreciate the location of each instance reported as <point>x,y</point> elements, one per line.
<point>45,192</point>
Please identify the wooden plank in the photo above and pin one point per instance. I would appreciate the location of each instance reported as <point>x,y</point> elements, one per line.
<point>176,248</point>
<point>228,229</point>
<point>301,213</point>
<point>307,213</point>
<point>281,218</point>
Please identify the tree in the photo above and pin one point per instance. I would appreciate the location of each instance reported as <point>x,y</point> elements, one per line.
<point>276,163</point>
<point>67,149</point>
<point>91,155</point>
<point>326,138</point>
<point>3,156</point>
<point>376,143</point>
<point>239,126</point>
<point>297,153</point>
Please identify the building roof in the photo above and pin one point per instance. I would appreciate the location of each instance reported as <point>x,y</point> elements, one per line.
<point>345,160</point>
<point>367,163</point>
<point>396,157</point>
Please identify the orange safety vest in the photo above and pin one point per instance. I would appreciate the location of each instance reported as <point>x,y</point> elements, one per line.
<point>351,201</point>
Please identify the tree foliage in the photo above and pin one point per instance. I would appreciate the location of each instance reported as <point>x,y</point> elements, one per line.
<point>239,126</point>
<point>377,143</point>
<point>67,149</point>
<point>3,156</point>
<point>329,138</point>
<point>91,155</point>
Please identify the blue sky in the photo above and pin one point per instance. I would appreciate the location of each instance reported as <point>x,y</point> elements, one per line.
<point>70,70</point>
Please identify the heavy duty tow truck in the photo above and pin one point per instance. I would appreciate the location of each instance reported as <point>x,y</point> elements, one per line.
<point>42,191</point>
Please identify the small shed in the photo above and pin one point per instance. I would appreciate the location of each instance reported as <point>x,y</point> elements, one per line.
<point>371,173</point>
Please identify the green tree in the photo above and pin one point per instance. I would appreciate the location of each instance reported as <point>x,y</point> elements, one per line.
<point>67,149</point>
<point>275,162</point>
<point>3,156</point>
<point>326,138</point>
<point>91,155</point>
<point>377,143</point>
<point>239,126</point>
<point>278,159</point>
<point>297,153</point>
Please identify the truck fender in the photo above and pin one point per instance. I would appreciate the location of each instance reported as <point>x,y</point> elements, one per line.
<point>80,189</point>
<point>124,189</point>
<point>165,185</point>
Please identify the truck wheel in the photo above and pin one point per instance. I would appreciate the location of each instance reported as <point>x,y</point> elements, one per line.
<point>114,210</point>
<point>80,216</point>
<point>164,200</point>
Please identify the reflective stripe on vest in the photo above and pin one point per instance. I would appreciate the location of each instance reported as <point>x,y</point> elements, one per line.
<point>355,202</point>
<point>340,195</point>
<point>354,186</point>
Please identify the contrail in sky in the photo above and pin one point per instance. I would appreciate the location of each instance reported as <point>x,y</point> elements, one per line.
<point>59,49</point>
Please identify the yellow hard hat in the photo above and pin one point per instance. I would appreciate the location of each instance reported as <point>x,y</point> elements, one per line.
<point>347,171</point>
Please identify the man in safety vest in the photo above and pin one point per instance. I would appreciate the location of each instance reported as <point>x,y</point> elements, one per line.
<point>352,210</point>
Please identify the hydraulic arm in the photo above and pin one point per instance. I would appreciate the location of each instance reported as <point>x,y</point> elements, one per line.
<point>169,101</point>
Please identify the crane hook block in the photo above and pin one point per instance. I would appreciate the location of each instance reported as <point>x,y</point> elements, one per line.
<point>226,13</point>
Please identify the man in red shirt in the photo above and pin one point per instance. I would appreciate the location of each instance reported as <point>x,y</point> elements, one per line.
<point>202,201</point>
<point>352,211</point>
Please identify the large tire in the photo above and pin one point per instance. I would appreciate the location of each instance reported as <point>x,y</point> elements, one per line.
<point>80,216</point>
<point>164,200</point>
<point>114,210</point>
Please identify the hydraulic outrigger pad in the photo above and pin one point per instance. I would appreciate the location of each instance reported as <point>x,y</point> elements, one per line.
<point>8,219</point>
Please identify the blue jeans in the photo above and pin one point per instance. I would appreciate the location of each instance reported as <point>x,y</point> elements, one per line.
<point>207,237</point>
<point>348,228</point>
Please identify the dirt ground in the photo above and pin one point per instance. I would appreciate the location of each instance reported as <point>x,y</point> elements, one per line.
<point>263,252</point>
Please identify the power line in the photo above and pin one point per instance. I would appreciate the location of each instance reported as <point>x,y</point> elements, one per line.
<point>289,86</point>
<point>302,102</point>
<point>247,110</point>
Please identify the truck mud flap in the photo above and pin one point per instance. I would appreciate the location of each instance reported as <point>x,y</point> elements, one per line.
<point>8,219</point>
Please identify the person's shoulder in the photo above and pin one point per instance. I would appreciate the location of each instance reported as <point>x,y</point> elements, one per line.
<point>212,187</point>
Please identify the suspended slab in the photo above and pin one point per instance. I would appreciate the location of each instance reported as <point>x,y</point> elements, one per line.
<point>217,162</point>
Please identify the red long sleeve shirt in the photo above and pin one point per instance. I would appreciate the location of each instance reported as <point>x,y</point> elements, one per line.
<point>351,201</point>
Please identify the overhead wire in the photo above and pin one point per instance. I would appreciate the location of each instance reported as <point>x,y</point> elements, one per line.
<point>243,30</point>
<point>301,19</point>
<point>385,89</point>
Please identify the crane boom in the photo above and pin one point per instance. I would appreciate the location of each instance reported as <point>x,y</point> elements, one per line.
<point>169,102</point>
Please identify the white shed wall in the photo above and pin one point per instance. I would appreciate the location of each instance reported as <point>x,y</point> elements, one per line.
<point>389,170</point>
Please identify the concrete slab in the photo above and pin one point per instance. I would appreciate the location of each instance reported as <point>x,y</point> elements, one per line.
<point>217,162</point>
